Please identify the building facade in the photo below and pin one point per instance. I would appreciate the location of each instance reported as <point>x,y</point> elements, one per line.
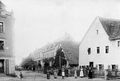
<point>46,52</point>
<point>101,44</point>
<point>6,41</point>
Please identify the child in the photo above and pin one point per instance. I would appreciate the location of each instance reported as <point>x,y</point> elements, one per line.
<point>21,75</point>
<point>55,74</point>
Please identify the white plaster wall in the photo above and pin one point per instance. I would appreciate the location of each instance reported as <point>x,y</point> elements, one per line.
<point>93,40</point>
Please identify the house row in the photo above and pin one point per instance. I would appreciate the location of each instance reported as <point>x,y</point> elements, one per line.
<point>100,47</point>
<point>49,52</point>
<point>46,52</point>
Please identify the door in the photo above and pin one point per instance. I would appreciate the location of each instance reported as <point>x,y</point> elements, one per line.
<point>1,66</point>
<point>91,64</point>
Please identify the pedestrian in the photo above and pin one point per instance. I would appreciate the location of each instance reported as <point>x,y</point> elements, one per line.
<point>55,73</point>
<point>75,73</point>
<point>48,74</point>
<point>21,75</point>
<point>69,73</point>
<point>90,75</point>
<point>105,73</point>
<point>63,73</point>
<point>81,73</point>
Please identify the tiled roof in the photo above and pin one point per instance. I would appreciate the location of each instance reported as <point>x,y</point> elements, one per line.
<point>2,6</point>
<point>112,27</point>
<point>71,50</point>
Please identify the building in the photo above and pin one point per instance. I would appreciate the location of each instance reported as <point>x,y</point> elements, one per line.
<point>48,52</point>
<point>6,41</point>
<point>100,46</point>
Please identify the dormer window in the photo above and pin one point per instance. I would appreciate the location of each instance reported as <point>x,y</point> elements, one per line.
<point>112,28</point>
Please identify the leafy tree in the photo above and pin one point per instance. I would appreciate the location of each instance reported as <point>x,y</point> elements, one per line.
<point>59,58</point>
<point>28,63</point>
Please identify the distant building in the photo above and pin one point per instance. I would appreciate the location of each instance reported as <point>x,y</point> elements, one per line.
<point>6,41</point>
<point>70,48</point>
<point>100,46</point>
<point>46,52</point>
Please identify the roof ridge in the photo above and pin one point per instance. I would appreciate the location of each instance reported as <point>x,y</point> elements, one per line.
<point>111,19</point>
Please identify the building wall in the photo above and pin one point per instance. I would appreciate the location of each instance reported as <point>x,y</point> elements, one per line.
<point>93,40</point>
<point>7,35</point>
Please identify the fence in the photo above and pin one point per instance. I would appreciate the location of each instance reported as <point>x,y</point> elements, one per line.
<point>111,74</point>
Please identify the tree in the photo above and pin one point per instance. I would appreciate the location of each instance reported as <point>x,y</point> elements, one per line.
<point>59,58</point>
<point>28,63</point>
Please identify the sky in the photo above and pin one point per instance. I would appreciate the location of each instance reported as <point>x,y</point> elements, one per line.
<point>38,22</point>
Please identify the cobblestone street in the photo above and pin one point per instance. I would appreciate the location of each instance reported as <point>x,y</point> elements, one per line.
<point>34,76</point>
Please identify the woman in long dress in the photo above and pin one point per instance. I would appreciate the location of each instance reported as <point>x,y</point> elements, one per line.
<point>63,73</point>
<point>81,73</point>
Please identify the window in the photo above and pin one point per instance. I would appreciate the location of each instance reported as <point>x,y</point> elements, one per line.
<point>98,50</point>
<point>89,51</point>
<point>97,32</point>
<point>106,49</point>
<point>118,43</point>
<point>1,27</point>
<point>114,67</point>
<point>101,66</point>
<point>1,45</point>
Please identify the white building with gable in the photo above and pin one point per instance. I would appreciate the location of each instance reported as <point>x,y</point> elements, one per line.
<point>101,44</point>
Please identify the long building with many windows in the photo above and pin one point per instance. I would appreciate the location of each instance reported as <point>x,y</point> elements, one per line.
<point>70,48</point>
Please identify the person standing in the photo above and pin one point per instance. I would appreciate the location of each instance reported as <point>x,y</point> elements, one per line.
<point>75,73</point>
<point>81,73</point>
<point>105,74</point>
<point>21,75</point>
<point>90,75</point>
<point>63,73</point>
<point>55,74</point>
<point>48,74</point>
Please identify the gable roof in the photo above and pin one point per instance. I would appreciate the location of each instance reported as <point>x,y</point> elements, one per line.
<point>71,50</point>
<point>112,27</point>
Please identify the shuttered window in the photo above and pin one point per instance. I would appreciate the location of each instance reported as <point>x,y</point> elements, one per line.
<point>1,27</point>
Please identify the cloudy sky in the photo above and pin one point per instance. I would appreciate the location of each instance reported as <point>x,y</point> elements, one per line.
<point>38,22</point>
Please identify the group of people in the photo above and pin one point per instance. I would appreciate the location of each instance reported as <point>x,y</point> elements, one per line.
<point>83,71</point>
<point>19,74</point>
<point>77,72</point>
<point>81,74</point>
<point>55,74</point>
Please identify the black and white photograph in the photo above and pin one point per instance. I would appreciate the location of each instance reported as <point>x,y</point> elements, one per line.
<point>59,40</point>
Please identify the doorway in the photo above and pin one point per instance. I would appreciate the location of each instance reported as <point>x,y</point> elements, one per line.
<point>91,64</point>
<point>1,66</point>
